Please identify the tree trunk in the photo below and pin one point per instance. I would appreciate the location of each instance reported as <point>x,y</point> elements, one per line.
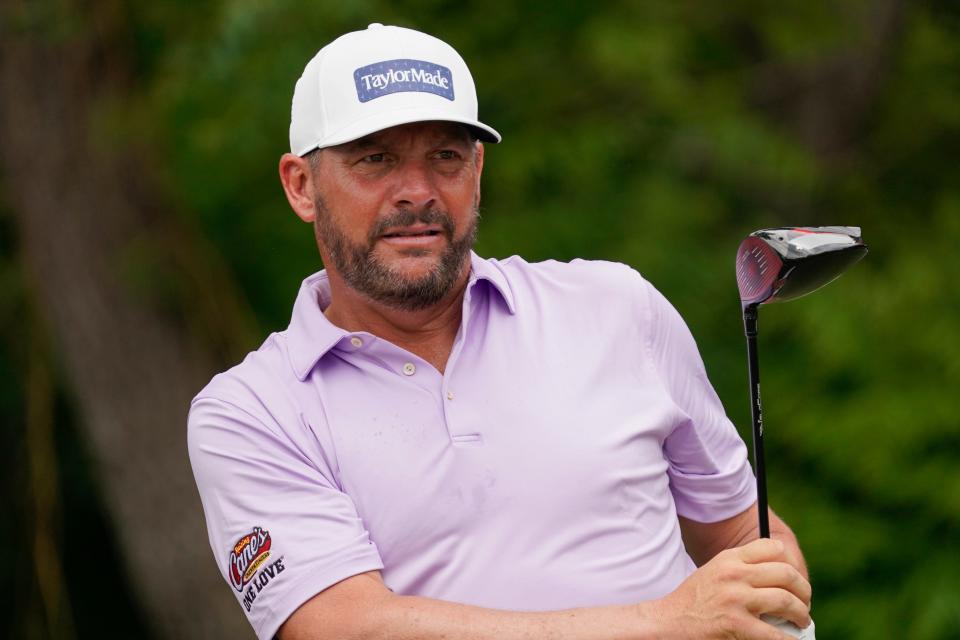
<point>133,360</point>
<point>828,104</point>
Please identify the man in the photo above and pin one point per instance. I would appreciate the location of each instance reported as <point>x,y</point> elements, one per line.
<point>442,446</point>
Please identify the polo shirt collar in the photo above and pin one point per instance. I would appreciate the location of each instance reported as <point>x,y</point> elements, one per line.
<point>311,335</point>
<point>488,270</point>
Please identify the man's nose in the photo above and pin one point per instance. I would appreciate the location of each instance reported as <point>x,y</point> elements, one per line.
<point>415,187</point>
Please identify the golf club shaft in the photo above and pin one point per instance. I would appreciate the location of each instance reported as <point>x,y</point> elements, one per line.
<point>756,411</point>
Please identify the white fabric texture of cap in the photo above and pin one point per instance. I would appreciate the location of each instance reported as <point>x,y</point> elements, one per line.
<point>383,76</point>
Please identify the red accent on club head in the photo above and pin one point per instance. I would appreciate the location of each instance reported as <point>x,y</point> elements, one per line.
<point>758,267</point>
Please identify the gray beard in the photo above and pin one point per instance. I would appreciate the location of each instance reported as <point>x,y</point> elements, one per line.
<point>365,273</point>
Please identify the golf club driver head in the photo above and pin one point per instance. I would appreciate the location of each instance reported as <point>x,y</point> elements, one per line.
<point>775,265</point>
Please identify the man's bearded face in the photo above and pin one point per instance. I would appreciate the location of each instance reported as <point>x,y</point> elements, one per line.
<point>360,267</point>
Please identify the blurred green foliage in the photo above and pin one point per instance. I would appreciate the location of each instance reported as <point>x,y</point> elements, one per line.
<point>645,133</point>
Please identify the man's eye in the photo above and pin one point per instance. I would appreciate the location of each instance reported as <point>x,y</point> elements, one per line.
<point>374,158</point>
<point>448,154</point>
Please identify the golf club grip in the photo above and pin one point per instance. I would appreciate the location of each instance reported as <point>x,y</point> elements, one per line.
<point>791,629</point>
<point>756,412</point>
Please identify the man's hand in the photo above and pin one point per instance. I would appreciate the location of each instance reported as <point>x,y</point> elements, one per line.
<point>727,595</point>
<point>704,540</point>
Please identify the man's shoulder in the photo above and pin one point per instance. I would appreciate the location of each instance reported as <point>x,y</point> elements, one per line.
<point>261,377</point>
<point>600,277</point>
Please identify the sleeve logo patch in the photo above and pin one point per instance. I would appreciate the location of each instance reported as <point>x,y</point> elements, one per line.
<point>248,554</point>
<point>248,564</point>
<point>395,76</point>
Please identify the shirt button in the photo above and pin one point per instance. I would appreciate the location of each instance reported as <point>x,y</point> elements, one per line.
<point>449,395</point>
<point>355,341</point>
<point>409,369</point>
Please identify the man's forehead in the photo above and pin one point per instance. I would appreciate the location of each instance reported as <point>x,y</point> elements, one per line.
<point>432,131</point>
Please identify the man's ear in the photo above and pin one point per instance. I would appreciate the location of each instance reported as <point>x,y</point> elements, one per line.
<point>478,159</point>
<point>296,177</point>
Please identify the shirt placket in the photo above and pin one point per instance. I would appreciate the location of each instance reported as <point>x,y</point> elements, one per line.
<point>453,411</point>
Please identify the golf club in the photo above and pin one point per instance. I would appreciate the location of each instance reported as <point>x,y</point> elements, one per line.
<point>776,265</point>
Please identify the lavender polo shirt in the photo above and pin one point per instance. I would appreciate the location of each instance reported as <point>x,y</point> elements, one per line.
<point>543,470</point>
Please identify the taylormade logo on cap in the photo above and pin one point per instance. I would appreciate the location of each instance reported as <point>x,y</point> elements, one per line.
<point>393,76</point>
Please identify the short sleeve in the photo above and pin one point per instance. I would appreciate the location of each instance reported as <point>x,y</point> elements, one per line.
<point>710,475</point>
<point>280,528</point>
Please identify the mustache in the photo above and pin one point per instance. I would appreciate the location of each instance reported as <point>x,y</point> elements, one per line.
<point>407,217</point>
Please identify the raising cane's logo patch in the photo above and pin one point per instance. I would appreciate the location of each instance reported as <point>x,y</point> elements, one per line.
<point>247,555</point>
<point>251,566</point>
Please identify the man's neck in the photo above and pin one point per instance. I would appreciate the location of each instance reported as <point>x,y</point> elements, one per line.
<point>428,333</point>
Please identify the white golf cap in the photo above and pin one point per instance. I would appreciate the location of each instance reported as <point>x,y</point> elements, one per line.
<point>383,76</point>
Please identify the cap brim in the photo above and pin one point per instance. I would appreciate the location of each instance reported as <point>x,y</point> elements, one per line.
<point>397,117</point>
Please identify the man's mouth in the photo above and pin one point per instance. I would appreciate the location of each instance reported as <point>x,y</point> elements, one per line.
<point>413,232</point>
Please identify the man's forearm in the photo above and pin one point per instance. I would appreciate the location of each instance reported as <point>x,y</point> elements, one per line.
<point>412,617</point>
<point>406,617</point>
<point>780,531</point>
<point>722,599</point>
